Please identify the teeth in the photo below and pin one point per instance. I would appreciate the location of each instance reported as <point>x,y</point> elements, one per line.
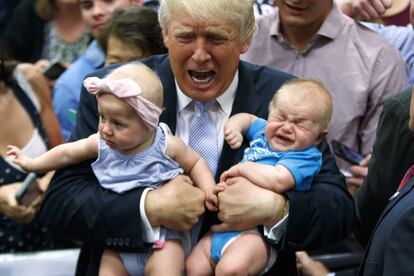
<point>202,76</point>
<point>205,80</point>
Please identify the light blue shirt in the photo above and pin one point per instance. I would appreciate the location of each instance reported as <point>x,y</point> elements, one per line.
<point>402,38</point>
<point>303,164</point>
<point>66,92</point>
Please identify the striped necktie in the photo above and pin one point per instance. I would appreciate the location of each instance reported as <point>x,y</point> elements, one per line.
<point>203,134</point>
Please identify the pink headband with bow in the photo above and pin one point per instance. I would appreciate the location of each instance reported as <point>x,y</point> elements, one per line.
<point>130,91</point>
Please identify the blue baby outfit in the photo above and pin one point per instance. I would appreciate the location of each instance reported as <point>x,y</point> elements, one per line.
<point>302,164</point>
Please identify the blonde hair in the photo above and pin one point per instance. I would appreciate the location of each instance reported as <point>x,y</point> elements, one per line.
<point>312,91</point>
<point>145,77</point>
<point>238,12</point>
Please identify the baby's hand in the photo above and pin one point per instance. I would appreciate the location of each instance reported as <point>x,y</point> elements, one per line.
<point>234,171</point>
<point>233,136</point>
<point>19,158</point>
<point>211,197</point>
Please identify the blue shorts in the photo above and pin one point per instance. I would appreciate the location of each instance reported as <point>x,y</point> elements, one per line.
<point>219,241</point>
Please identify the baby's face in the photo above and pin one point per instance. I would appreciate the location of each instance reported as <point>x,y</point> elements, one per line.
<point>119,126</point>
<point>292,125</point>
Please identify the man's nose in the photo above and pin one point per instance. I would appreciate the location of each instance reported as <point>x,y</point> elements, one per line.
<point>201,52</point>
<point>98,10</point>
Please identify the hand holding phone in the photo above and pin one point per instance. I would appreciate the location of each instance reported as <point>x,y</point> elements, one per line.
<point>346,153</point>
<point>28,191</point>
<point>54,70</point>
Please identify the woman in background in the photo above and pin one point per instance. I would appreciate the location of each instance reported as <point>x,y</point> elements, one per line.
<point>25,101</point>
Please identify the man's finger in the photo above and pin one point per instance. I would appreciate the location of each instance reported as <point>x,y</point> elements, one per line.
<point>303,258</point>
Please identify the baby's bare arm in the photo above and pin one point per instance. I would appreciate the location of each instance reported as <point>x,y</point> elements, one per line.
<point>195,166</point>
<point>274,178</point>
<point>192,163</point>
<point>236,127</point>
<point>59,156</point>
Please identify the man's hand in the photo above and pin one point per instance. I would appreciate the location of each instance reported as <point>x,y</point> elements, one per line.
<point>365,9</point>
<point>177,205</point>
<point>308,267</point>
<point>359,173</point>
<point>243,205</point>
<point>10,207</point>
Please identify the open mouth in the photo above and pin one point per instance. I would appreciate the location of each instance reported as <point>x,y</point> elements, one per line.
<point>202,76</point>
<point>284,139</point>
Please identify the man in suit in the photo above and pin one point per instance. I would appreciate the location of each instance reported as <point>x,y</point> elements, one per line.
<point>391,157</point>
<point>390,251</point>
<point>205,40</point>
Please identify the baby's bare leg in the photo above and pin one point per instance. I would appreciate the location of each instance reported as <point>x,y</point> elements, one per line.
<point>246,255</point>
<point>166,261</point>
<point>111,265</point>
<point>199,262</point>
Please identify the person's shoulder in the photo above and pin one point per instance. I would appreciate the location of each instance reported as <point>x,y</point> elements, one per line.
<point>399,103</point>
<point>368,38</point>
<point>263,72</point>
<point>156,61</point>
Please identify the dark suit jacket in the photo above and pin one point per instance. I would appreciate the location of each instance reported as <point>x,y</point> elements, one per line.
<point>76,206</point>
<point>392,155</point>
<point>390,250</point>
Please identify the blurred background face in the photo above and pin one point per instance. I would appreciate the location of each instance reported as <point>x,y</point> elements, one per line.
<point>95,13</point>
<point>119,51</point>
<point>303,13</point>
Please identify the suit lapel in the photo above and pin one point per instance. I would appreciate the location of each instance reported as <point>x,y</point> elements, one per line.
<point>169,114</point>
<point>393,200</point>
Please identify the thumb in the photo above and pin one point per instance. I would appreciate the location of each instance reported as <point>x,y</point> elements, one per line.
<point>364,162</point>
<point>303,257</point>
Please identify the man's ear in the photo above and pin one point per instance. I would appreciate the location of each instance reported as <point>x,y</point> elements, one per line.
<point>245,46</point>
<point>165,38</point>
<point>321,136</point>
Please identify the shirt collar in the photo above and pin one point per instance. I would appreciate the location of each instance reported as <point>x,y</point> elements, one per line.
<point>225,100</point>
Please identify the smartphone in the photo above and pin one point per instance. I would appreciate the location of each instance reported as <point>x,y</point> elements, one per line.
<point>54,70</point>
<point>346,153</point>
<point>28,191</point>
